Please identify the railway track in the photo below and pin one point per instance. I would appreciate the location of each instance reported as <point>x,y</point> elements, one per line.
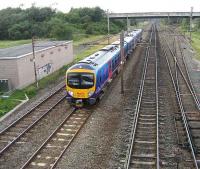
<point>183,69</point>
<point>11,134</point>
<point>144,148</point>
<point>52,149</point>
<point>189,115</point>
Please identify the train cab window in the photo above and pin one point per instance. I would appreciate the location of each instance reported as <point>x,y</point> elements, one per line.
<point>87,80</point>
<point>80,80</point>
<point>73,80</point>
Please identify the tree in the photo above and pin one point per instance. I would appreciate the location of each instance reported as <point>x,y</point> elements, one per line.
<point>17,23</point>
<point>59,30</point>
<point>185,23</point>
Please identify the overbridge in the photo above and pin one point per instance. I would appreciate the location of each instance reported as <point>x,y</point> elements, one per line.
<point>154,15</point>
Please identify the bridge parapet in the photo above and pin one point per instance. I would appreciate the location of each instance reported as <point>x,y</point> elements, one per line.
<point>154,15</point>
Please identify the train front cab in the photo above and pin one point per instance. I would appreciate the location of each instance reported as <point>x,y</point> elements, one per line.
<point>80,86</point>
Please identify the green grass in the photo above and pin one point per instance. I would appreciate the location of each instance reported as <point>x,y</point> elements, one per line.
<point>7,104</point>
<point>11,43</point>
<point>77,41</point>
<point>86,39</point>
<point>196,43</point>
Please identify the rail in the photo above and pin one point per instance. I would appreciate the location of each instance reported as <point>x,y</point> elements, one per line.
<point>176,88</point>
<point>138,106</point>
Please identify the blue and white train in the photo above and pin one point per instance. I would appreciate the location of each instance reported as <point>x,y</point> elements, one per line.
<point>86,80</point>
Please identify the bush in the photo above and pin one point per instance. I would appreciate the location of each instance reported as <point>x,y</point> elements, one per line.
<point>17,23</point>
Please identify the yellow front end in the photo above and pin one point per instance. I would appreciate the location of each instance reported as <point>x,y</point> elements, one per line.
<point>77,93</point>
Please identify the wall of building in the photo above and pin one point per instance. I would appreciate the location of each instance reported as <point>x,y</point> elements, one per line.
<point>9,70</point>
<point>25,72</point>
<point>47,61</point>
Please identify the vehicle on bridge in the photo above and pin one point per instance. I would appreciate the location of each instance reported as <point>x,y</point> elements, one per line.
<point>86,80</point>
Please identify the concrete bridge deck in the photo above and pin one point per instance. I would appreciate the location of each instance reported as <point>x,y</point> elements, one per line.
<point>154,15</point>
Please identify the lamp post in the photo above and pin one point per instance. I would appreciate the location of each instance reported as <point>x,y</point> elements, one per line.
<point>34,63</point>
<point>191,24</point>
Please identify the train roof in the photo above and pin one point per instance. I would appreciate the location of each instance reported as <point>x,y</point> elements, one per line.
<point>105,54</point>
<point>101,56</point>
<point>81,66</point>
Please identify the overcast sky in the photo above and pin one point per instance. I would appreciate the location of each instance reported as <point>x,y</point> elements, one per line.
<point>112,5</point>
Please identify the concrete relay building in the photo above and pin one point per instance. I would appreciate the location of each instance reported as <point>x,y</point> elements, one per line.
<point>17,63</point>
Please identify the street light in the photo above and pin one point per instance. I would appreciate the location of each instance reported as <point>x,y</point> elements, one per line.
<point>34,63</point>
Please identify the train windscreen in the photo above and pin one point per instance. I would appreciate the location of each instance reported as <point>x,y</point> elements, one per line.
<point>80,80</point>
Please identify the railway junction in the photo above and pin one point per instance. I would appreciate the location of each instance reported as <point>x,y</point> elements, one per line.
<point>155,123</point>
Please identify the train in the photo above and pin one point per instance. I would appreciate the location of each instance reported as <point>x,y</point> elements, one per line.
<point>86,80</point>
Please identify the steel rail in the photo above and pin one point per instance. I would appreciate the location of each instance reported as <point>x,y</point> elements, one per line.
<point>61,154</point>
<point>30,126</point>
<point>138,105</point>
<point>127,163</point>
<point>188,75</point>
<point>31,110</point>
<point>54,164</point>
<point>46,141</point>
<point>181,108</point>
<point>188,85</point>
<point>157,105</point>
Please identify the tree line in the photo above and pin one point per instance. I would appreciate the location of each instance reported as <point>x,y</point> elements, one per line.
<point>18,23</point>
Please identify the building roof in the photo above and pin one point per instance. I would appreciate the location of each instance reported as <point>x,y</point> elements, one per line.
<point>23,50</point>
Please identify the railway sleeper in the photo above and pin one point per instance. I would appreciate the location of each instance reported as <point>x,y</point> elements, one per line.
<point>139,162</point>
<point>146,132</point>
<point>145,151</point>
<point>146,137</point>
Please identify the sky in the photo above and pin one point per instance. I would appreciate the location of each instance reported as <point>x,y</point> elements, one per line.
<point>111,5</point>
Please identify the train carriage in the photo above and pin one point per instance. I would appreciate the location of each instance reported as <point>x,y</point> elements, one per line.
<point>86,80</point>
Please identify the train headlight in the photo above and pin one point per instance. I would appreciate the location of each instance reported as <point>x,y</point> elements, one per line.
<point>90,93</point>
<point>70,93</point>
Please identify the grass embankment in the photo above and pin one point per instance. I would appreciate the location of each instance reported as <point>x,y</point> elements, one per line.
<point>10,43</point>
<point>195,41</point>
<point>87,39</point>
<point>7,104</point>
<point>77,41</point>
<point>196,44</point>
